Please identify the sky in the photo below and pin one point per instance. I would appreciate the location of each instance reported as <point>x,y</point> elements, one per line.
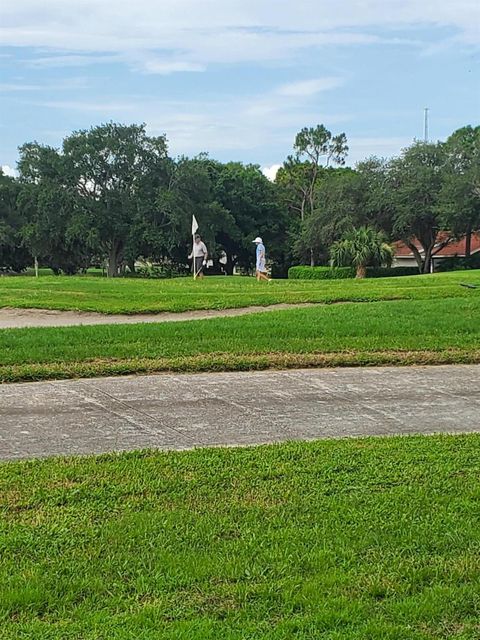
<point>239,78</point>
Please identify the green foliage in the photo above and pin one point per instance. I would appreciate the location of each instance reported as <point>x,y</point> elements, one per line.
<point>112,195</point>
<point>13,255</point>
<point>315,143</point>
<point>456,263</point>
<point>48,205</point>
<point>362,248</point>
<point>114,169</point>
<point>320,273</point>
<point>250,208</point>
<point>298,180</point>
<point>415,181</point>
<point>338,200</point>
<point>336,273</point>
<point>157,271</point>
<point>391,272</point>
<point>460,195</point>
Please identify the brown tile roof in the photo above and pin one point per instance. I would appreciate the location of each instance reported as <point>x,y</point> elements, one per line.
<point>453,248</point>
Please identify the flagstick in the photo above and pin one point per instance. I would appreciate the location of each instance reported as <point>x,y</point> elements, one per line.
<point>193,257</point>
<point>194,231</point>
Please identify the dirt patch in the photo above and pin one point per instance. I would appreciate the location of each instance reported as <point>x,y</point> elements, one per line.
<point>18,318</point>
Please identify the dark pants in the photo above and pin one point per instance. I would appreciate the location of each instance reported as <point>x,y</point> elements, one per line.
<point>198,265</point>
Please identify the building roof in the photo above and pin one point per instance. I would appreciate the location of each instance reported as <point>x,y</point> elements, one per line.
<point>453,248</point>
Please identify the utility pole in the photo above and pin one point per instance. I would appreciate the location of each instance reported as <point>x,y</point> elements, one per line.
<point>425,127</point>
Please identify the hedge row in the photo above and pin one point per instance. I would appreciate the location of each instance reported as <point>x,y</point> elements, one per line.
<point>458,264</point>
<point>340,273</point>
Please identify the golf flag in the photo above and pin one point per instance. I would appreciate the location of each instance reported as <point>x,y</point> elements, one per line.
<point>194,225</point>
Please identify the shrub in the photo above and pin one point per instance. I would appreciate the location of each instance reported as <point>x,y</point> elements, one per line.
<point>336,273</point>
<point>362,247</point>
<point>391,272</point>
<point>458,264</point>
<point>320,273</point>
<point>158,271</point>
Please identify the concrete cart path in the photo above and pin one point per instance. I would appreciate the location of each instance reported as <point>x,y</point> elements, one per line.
<point>20,318</point>
<point>184,411</point>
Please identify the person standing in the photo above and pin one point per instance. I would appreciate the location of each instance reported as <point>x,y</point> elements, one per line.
<point>199,255</point>
<point>260,267</point>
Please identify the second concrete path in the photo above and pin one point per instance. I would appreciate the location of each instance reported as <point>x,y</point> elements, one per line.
<point>184,411</point>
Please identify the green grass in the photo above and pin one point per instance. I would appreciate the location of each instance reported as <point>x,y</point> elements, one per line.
<point>395,332</point>
<point>89,293</point>
<point>422,320</point>
<point>374,539</point>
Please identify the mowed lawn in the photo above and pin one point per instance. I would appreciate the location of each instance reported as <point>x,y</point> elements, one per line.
<point>445,330</point>
<point>182,294</point>
<point>372,539</point>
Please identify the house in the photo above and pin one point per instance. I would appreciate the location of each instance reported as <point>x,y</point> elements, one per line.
<point>453,249</point>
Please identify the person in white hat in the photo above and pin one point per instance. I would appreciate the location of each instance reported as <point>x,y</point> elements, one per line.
<point>260,268</point>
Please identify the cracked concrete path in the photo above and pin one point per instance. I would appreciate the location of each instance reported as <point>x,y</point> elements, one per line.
<point>20,318</point>
<point>183,411</point>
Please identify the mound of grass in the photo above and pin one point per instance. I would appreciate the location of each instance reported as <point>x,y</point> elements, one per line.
<point>335,540</point>
<point>397,332</point>
<point>182,294</point>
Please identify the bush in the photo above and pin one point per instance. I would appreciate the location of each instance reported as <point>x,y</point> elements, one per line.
<point>458,264</point>
<point>340,273</point>
<point>320,273</point>
<point>158,271</point>
<point>391,272</point>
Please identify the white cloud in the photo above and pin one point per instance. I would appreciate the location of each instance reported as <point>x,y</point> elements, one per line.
<point>92,107</point>
<point>166,68</point>
<point>384,147</point>
<point>306,88</point>
<point>9,171</point>
<point>194,34</point>
<point>11,87</point>
<point>228,124</point>
<point>60,85</point>
<point>271,172</point>
<point>55,59</point>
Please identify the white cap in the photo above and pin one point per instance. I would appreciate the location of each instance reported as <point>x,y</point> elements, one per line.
<point>258,240</point>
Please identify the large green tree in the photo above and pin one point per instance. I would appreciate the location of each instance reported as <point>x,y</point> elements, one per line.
<point>315,150</point>
<point>253,210</point>
<point>339,206</point>
<point>113,169</point>
<point>460,197</point>
<point>47,202</point>
<point>13,254</point>
<point>415,182</point>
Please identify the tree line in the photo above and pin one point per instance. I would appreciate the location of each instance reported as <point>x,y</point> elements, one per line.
<point>112,195</point>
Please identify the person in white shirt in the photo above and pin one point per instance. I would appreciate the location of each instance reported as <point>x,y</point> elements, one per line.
<point>199,255</point>
<point>260,263</point>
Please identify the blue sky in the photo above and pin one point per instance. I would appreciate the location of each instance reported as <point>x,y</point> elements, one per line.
<point>238,78</point>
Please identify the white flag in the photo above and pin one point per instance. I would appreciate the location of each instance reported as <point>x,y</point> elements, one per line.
<point>194,225</point>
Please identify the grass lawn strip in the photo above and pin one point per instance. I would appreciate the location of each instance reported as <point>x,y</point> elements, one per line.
<point>182,294</point>
<point>231,362</point>
<point>398,332</point>
<point>335,540</point>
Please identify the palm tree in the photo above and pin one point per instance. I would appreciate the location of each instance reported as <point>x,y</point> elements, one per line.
<point>362,248</point>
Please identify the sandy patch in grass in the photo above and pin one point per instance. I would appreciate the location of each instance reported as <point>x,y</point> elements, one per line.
<point>21,318</point>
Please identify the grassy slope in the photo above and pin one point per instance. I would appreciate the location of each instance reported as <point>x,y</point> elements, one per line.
<point>348,540</point>
<point>405,331</point>
<point>136,296</point>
